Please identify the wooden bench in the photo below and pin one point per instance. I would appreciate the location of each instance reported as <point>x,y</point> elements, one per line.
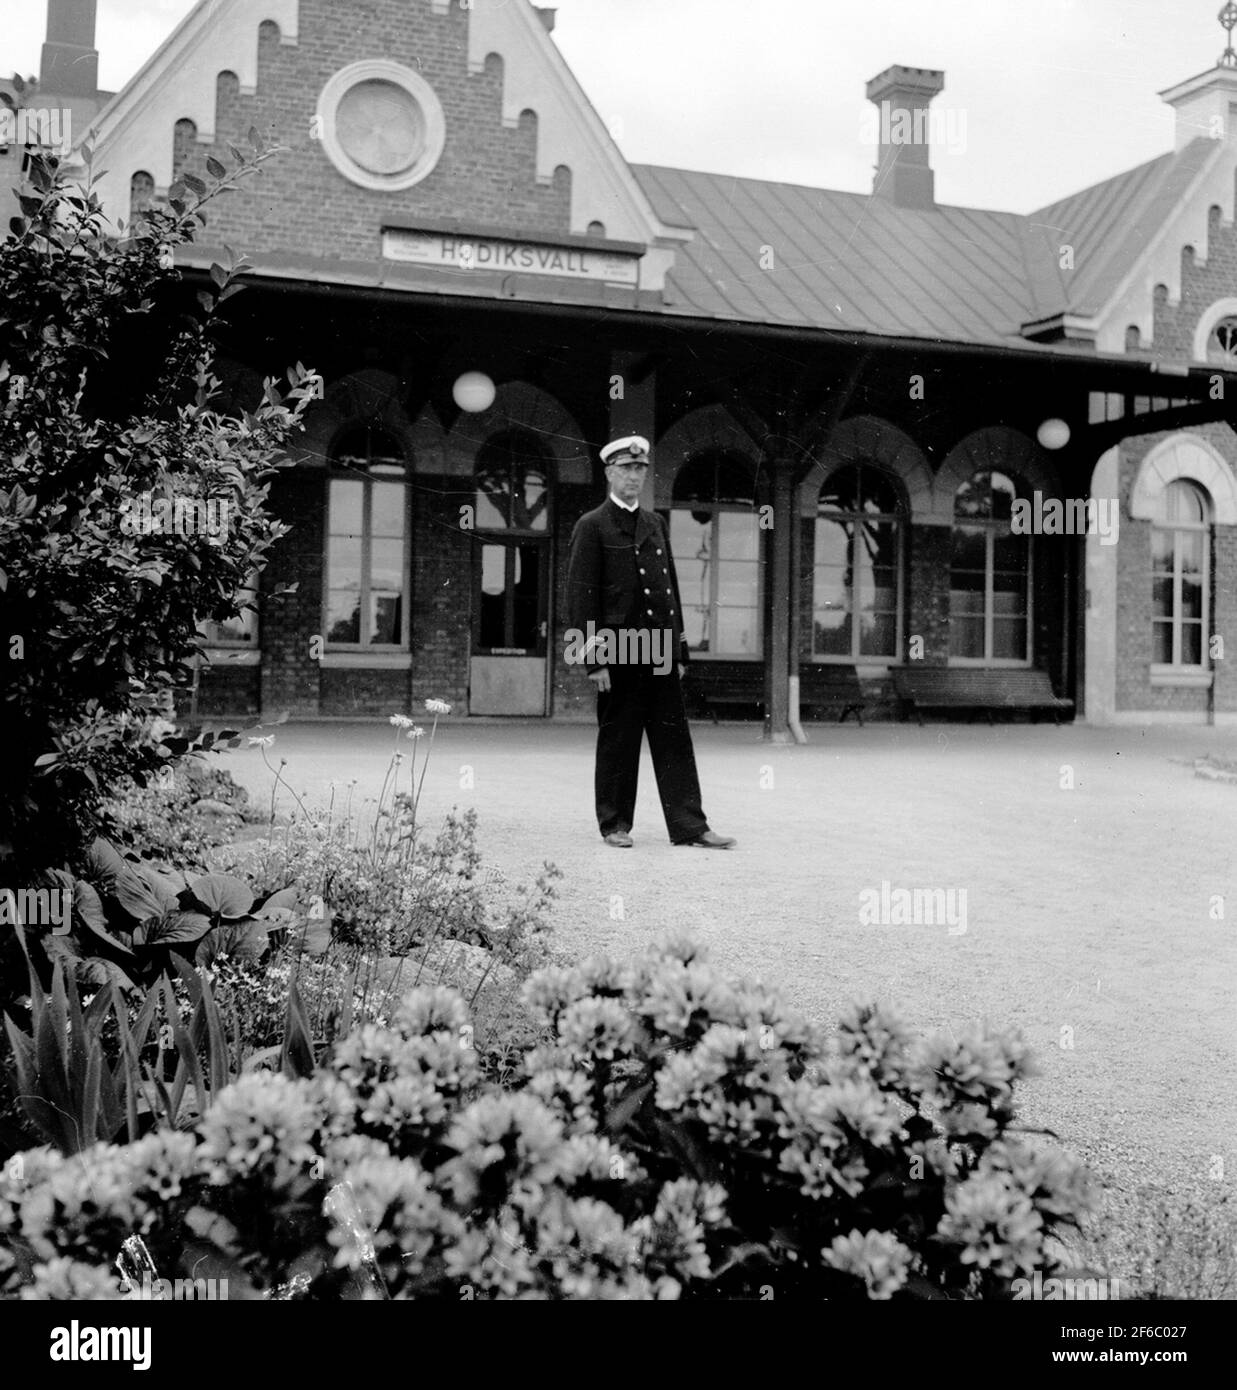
<point>978,688</point>
<point>822,686</point>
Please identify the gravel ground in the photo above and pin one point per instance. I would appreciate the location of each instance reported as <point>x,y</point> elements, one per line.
<point>1089,908</point>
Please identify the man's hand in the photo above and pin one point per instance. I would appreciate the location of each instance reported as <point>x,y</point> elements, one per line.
<point>600,678</point>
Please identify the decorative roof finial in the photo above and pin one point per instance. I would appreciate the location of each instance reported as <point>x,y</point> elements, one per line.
<point>1228,18</point>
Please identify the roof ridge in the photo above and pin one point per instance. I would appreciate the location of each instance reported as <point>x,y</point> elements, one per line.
<point>818,188</point>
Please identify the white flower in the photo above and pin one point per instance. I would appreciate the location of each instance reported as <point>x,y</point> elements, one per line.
<point>160,729</point>
<point>262,742</point>
<point>401,721</point>
<point>415,732</point>
<point>437,707</point>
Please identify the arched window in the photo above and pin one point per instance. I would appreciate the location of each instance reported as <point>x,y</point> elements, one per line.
<point>1222,342</point>
<point>990,574</point>
<point>715,540</point>
<point>857,578</point>
<point>367,560</point>
<point>513,483</point>
<point>1180,569</point>
<point>141,196</point>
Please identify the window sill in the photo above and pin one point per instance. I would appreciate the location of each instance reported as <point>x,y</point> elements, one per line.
<point>233,656</point>
<point>983,663</point>
<point>361,659</point>
<point>1188,679</point>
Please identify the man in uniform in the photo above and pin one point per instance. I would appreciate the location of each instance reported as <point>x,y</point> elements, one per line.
<point>621,583</point>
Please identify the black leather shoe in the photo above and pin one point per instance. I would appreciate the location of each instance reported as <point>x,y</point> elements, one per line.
<point>712,840</point>
<point>620,839</point>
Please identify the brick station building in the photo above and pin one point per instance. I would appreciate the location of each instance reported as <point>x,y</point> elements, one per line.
<point>849,395</point>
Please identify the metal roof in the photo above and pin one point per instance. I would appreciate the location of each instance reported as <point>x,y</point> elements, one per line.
<point>859,262</point>
<point>1119,217</point>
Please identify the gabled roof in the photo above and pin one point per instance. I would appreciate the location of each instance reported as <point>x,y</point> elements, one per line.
<point>842,260</point>
<point>1112,223</point>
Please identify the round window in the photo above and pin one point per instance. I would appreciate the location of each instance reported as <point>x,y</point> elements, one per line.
<point>382,125</point>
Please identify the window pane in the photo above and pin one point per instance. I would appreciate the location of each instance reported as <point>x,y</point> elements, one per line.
<point>1009,638</point>
<point>878,634</point>
<point>343,616</point>
<point>1190,548</point>
<point>738,536</point>
<point>526,599</point>
<point>1007,604</point>
<point>738,631</point>
<point>1192,644</point>
<point>840,490</point>
<point>1162,643</point>
<point>492,619</point>
<point>691,546</point>
<point>879,543</point>
<point>966,636</point>
<point>1009,552</point>
<point>344,563</point>
<point>1191,597</point>
<point>830,592</point>
<point>345,501</point>
<point>492,503</point>
<point>696,629</point>
<point>830,612</point>
<point>832,542</point>
<point>738,582</point>
<point>531,513</point>
<point>878,492</point>
<point>385,617</point>
<point>1162,598</point>
<point>970,548</point>
<point>1182,502</point>
<point>1161,549</point>
<point>390,500</point>
<point>493,569</point>
<point>387,565</point>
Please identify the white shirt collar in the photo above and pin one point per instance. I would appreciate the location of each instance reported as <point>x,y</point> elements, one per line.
<point>627,507</point>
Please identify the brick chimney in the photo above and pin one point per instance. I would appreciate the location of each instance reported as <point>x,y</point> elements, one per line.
<point>903,171</point>
<point>70,65</point>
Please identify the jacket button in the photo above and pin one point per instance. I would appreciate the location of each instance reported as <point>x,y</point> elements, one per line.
<point>646,591</point>
<point>641,571</point>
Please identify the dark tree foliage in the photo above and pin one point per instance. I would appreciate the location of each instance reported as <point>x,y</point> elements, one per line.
<point>109,414</point>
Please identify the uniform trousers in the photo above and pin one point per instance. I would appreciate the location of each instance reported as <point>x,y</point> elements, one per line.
<point>639,702</point>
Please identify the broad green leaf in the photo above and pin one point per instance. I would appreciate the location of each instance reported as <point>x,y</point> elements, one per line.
<point>223,895</point>
<point>172,928</point>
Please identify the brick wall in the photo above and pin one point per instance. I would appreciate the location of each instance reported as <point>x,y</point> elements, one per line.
<point>1201,285</point>
<point>300,202</point>
<point>928,605</point>
<point>290,673</point>
<point>442,556</point>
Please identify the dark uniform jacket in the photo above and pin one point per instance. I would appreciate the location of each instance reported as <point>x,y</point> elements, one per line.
<point>621,575</point>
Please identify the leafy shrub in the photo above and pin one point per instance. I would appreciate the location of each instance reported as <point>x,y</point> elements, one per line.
<point>107,398</point>
<point>682,1136</point>
<point>178,817</point>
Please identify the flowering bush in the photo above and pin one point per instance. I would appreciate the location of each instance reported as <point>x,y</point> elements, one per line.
<point>681,1135</point>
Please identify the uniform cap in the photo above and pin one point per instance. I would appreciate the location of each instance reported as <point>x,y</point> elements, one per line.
<point>632,448</point>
